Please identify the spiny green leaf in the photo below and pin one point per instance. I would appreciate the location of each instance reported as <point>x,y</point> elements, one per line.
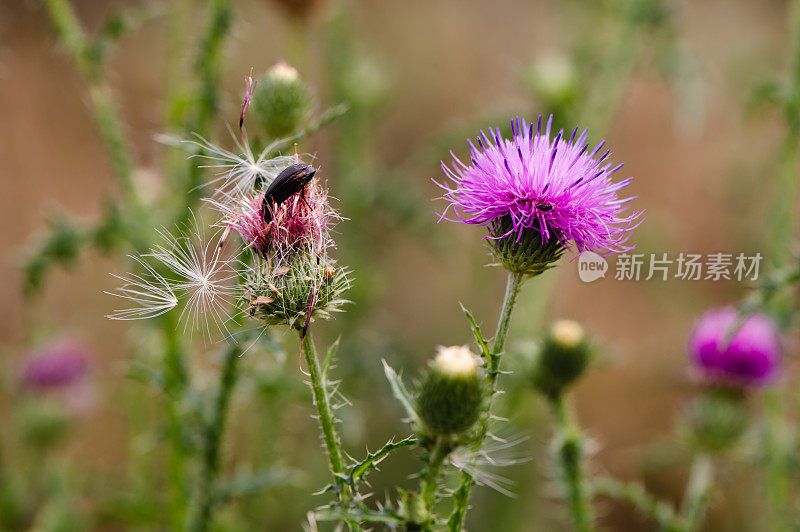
<point>400,392</point>
<point>373,459</point>
<point>329,357</point>
<point>476,332</point>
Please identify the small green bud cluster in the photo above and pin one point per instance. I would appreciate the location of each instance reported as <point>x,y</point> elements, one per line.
<point>524,253</point>
<point>564,355</point>
<point>715,420</point>
<point>451,393</point>
<point>553,80</point>
<point>281,101</point>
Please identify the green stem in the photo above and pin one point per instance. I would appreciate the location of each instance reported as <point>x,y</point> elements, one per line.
<point>176,380</point>
<point>212,440</point>
<point>637,496</point>
<point>698,492</point>
<point>569,458</point>
<point>430,476</point>
<point>461,495</point>
<point>319,389</point>
<point>103,107</point>
<point>777,454</point>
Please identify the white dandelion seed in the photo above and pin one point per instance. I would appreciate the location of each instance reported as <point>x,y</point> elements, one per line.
<point>495,452</point>
<point>202,278</point>
<point>150,292</point>
<point>197,277</point>
<point>240,171</point>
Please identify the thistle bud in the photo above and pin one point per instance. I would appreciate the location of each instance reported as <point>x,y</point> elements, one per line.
<point>451,392</point>
<point>302,289</point>
<point>562,358</point>
<point>715,420</point>
<point>281,101</point>
<point>42,425</point>
<point>527,252</point>
<point>553,81</point>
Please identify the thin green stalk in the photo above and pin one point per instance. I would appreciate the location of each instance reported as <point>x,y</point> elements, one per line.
<point>461,495</point>
<point>175,382</point>
<point>319,389</point>
<point>569,457</point>
<point>430,476</point>
<point>637,496</point>
<point>207,68</point>
<point>777,455</point>
<point>698,492</point>
<point>212,440</point>
<point>102,105</point>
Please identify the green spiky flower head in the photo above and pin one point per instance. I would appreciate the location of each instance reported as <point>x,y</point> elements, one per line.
<point>451,392</point>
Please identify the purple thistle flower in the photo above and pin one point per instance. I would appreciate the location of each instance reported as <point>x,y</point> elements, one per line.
<point>555,188</point>
<point>55,366</point>
<point>749,355</point>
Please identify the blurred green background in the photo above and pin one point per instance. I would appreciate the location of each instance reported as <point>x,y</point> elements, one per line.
<point>672,86</point>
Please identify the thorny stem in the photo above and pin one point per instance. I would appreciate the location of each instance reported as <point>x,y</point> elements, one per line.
<point>776,451</point>
<point>698,492</point>
<point>637,496</point>
<point>436,456</point>
<point>461,495</point>
<point>320,391</point>
<point>176,381</point>
<point>569,455</point>
<point>212,439</point>
<point>104,110</point>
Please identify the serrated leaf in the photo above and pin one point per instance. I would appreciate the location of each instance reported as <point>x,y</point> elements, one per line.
<point>400,392</point>
<point>476,332</point>
<point>329,357</point>
<point>373,459</point>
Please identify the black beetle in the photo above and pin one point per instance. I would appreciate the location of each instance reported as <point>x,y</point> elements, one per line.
<point>288,183</point>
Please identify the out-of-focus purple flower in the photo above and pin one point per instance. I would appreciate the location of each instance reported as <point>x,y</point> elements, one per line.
<point>55,366</point>
<point>747,356</point>
<point>556,188</point>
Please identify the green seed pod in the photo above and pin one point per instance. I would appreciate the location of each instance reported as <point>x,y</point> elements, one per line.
<point>450,395</point>
<point>716,420</point>
<point>281,101</point>
<point>526,253</point>
<point>563,357</point>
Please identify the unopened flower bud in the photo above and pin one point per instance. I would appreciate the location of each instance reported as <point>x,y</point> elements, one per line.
<point>281,101</point>
<point>715,420</point>
<point>563,357</point>
<point>450,395</point>
<point>553,81</point>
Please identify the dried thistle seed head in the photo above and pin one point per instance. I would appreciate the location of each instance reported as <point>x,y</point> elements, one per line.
<point>451,392</point>
<point>288,295</point>
<point>281,101</point>
<point>563,357</point>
